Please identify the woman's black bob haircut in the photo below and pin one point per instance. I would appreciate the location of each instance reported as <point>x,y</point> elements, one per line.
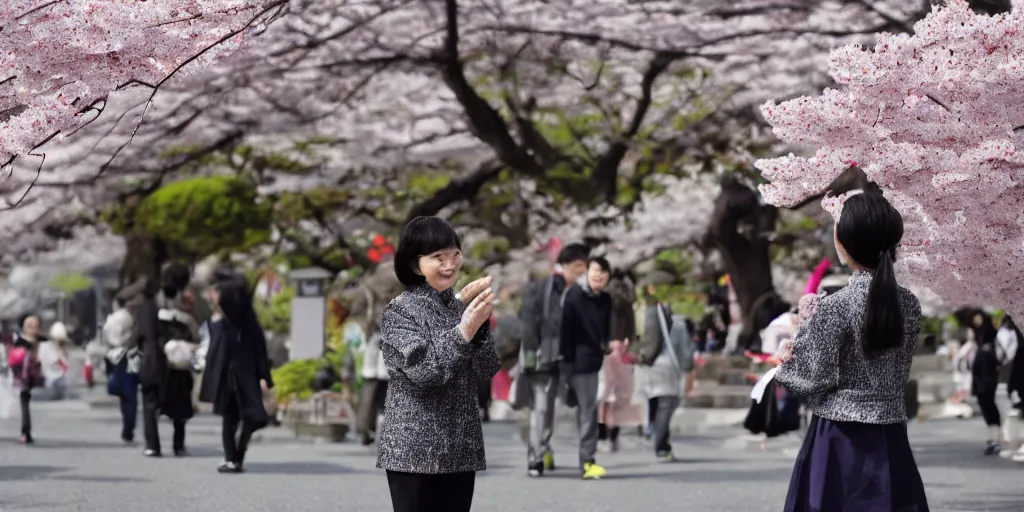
<point>422,236</point>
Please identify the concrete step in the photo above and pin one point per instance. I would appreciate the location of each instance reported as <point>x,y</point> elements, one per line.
<point>734,377</point>
<point>715,366</point>
<point>720,396</point>
<point>931,363</point>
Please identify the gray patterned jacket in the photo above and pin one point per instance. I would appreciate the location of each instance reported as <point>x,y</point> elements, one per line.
<point>829,368</point>
<point>431,419</point>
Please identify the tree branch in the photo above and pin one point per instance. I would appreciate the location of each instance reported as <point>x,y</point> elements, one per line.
<point>486,123</point>
<point>852,178</point>
<point>906,26</point>
<point>607,170</point>
<point>456,190</point>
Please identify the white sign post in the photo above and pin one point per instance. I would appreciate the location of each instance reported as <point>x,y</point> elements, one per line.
<point>309,313</point>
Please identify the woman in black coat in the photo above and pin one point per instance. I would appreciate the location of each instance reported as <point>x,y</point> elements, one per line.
<point>237,370</point>
<point>985,381</point>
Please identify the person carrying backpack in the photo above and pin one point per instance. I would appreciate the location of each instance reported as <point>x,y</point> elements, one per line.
<point>541,315</point>
<point>663,356</point>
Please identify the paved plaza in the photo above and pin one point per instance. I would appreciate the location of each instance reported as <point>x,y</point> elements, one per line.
<point>79,464</point>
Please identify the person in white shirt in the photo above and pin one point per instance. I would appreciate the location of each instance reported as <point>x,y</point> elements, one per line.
<point>53,362</point>
<point>1006,341</point>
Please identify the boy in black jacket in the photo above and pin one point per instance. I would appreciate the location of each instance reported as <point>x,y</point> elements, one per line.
<point>586,325</point>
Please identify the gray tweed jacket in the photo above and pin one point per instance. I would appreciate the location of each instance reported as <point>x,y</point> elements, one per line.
<point>431,419</point>
<point>829,368</point>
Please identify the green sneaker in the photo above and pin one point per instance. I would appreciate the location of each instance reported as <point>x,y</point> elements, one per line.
<point>667,457</point>
<point>549,461</point>
<point>591,471</point>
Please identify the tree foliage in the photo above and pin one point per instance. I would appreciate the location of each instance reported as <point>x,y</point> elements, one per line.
<point>936,119</point>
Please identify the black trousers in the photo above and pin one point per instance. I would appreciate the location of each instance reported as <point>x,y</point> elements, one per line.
<point>414,492</point>
<point>371,403</point>
<point>606,433</point>
<point>989,409</point>
<point>129,413</point>
<point>151,418</point>
<point>235,432</point>
<point>26,416</point>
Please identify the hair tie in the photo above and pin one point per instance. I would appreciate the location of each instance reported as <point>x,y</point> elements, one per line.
<point>890,252</point>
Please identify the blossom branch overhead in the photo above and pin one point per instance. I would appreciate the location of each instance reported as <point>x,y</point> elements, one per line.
<point>933,118</point>
<point>64,57</point>
<point>591,100</point>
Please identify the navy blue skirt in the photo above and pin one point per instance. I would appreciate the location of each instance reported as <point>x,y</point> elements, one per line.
<point>855,467</point>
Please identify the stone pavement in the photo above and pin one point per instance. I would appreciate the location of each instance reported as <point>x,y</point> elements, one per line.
<point>79,465</point>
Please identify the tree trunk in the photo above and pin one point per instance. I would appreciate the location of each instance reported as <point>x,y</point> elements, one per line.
<point>740,228</point>
<point>145,256</point>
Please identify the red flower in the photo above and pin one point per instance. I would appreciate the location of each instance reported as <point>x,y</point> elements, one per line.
<point>374,255</point>
<point>379,241</point>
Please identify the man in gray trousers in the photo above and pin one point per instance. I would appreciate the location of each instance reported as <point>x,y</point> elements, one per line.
<point>541,315</point>
<point>586,327</point>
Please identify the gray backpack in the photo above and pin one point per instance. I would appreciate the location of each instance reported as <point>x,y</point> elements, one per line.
<point>547,355</point>
<point>683,340</point>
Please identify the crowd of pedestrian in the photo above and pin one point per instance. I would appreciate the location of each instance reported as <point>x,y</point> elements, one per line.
<point>591,338</point>
<point>153,351</point>
<point>845,355</point>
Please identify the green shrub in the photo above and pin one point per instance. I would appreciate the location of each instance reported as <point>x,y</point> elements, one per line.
<point>69,283</point>
<point>295,379</point>
<point>276,316</point>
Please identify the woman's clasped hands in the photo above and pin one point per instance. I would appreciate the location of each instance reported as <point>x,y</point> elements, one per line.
<point>480,300</point>
<point>783,353</point>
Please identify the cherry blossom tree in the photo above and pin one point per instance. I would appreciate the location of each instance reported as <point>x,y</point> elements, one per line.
<point>936,118</point>
<point>516,118</point>
<point>63,58</point>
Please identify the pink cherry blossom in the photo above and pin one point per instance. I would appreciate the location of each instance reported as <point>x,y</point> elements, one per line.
<point>936,119</point>
<point>60,60</point>
<point>808,305</point>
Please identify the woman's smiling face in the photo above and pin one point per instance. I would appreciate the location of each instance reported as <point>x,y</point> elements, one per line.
<point>441,268</point>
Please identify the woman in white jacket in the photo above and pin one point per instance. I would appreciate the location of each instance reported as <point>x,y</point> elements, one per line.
<point>375,389</point>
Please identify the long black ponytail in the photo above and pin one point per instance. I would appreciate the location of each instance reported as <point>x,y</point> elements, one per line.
<point>869,230</point>
<point>883,317</point>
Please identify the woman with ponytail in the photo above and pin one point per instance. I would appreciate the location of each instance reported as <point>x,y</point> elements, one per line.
<point>850,362</point>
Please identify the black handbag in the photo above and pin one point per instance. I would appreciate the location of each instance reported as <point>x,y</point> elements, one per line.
<point>763,418</point>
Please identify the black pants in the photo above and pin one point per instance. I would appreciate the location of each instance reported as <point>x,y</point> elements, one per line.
<point>664,408</point>
<point>234,439</point>
<point>26,416</point>
<point>371,403</point>
<point>483,395</point>
<point>413,492</point>
<point>606,433</point>
<point>129,412</point>
<point>150,419</point>
<point>989,409</point>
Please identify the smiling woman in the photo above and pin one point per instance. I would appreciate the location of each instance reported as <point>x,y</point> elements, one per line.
<point>436,349</point>
<point>430,251</point>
